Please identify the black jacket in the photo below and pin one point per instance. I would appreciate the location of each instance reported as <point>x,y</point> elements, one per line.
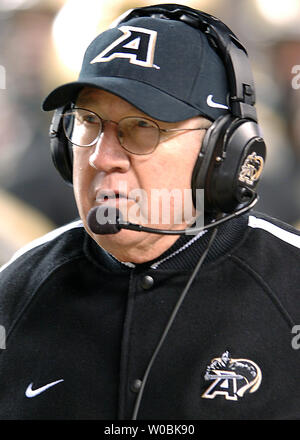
<point>85,324</point>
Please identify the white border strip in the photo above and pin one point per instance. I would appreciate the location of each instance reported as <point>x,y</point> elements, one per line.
<point>280,233</point>
<point>41,240</point>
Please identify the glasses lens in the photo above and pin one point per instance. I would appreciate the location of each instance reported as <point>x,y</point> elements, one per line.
<point>82,127</point>
<point>138,135</point>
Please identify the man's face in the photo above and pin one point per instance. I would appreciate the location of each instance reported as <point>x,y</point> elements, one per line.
<point>153,190</point>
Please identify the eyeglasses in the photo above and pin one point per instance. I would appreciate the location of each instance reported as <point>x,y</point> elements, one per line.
<point>136,135</point>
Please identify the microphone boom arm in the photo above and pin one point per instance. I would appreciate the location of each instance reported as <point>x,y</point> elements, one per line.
<point>136,227</point>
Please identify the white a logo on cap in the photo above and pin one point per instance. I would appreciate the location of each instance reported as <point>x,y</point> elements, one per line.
<point>136,44</point>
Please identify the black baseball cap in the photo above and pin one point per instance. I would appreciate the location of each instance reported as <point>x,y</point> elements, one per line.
<point>165,68</point>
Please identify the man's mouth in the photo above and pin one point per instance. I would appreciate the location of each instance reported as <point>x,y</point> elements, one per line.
<point>106,196</point>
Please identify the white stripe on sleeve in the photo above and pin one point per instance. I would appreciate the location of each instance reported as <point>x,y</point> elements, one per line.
<point>278,232</point>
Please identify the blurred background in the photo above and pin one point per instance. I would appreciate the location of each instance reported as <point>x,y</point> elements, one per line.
<point>41,46</point>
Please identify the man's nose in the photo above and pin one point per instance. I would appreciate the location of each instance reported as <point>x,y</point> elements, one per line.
<point>108,155</point>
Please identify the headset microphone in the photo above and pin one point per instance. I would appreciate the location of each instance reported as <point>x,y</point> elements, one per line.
<point>112,216</point>
<point>114,221</point>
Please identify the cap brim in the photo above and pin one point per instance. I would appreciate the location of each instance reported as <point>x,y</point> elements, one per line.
<point>151,101</point>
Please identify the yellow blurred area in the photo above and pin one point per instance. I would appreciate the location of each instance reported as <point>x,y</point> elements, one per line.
<point>19,224</point>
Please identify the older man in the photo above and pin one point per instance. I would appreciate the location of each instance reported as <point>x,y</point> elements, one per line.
<point>140,318</point>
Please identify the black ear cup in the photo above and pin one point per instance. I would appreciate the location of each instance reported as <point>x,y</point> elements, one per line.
<point>229,164</point>
<point>60,147</point>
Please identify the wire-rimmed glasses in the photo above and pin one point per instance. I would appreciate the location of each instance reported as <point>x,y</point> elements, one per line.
<point>137,135</point>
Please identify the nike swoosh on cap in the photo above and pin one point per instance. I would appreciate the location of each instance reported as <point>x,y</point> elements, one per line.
<point>211,103</point>
<point>32,393</point>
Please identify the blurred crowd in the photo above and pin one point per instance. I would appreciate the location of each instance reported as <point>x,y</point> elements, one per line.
<point>33,197</point>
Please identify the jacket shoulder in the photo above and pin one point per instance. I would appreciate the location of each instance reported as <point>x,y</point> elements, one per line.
<point>270,254</point>
<point>278,229</point>
<point>33,263</point>
<point>271,242</point>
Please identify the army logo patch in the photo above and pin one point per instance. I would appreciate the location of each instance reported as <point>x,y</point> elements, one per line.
<point>136,44</point>
<point>231,378</point>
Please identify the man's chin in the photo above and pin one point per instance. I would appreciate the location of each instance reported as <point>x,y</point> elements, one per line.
<point>124,244</point>
<point>135,246</point>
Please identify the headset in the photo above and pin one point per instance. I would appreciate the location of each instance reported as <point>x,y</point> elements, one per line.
<point>233,150</point>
